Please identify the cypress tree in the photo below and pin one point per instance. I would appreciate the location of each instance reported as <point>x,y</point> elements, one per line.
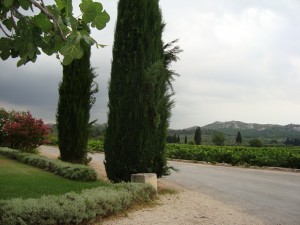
<point>197,137</point>
<point>185,140</point>
<point>73,112</point>
<point>239,138</point>
<point>139,102</point>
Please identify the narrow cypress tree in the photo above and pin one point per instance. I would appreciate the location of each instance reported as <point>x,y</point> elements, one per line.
<point>73,112</point>
<point>185,140</point>
<point>197,137</point>
<point>239,138</point>
<point>178,139</point>
<point>139,102</point>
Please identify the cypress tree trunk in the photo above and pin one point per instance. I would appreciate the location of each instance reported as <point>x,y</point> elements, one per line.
<point>73,112</point>
<point>139,106</point>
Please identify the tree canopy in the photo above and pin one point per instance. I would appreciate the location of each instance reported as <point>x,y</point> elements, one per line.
<point>239,139</point>
<point>197,136</point>
<point>139,93</point>
<point>31,26</point>
<point>218,139</point>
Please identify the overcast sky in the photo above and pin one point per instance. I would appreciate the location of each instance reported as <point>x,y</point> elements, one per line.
<point>241,61</point>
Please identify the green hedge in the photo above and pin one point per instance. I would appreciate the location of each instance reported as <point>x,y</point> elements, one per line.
<point>67,170</point>
<point>72,208</point>
<point>237,155</point>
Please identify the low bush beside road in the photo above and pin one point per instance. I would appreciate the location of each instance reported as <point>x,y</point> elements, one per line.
<point>67,170</point>
<point>237,155</point>
<point>72,208</point>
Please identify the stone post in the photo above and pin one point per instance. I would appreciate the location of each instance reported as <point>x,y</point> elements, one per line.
<point>148,178</point>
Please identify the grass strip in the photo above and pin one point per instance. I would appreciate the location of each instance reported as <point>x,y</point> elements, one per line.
<point>66,170</point>
<point>18,180</point>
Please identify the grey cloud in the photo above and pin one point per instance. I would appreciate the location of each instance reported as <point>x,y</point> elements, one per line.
<point>241,61</point>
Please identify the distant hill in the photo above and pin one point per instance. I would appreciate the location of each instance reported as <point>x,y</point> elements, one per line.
<point>239,125</point>
<point>254,130</point>
<point>266,132</point>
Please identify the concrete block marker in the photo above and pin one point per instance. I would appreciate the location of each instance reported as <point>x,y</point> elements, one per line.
<point>148,178</point>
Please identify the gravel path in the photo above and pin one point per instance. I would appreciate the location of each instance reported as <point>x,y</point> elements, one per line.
<point>184,208</point>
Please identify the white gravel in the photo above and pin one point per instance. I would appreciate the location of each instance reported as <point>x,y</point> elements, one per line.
<point>186,207</point>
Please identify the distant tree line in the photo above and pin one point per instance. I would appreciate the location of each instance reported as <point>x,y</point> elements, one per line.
<point>292,141</point>
<point>173,139</point>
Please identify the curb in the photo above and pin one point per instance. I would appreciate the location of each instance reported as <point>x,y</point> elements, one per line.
<point>281,169</point>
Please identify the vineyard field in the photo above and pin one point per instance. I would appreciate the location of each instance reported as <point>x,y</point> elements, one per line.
<point>237,155</point>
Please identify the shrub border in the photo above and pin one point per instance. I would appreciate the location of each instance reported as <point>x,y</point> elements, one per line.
<point>67,170</point>
<point>72,208</point>
<point>69,208</point>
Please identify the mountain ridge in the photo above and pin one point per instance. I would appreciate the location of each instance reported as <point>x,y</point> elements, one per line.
<point>265,132</point>
<point>242,125</point>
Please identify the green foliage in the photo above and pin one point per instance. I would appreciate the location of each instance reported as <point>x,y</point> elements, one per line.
<point>50,28</point>
<point>73,208</point>
<point>52,140</point>
<point>67,170</point>
<point>4,116</point>
<point>197,137</point>
<point>218,139</point>
<point>239,138</point>
<point>73,113</point>
<point>173,139</point>
<point>139,93</point>
<point>97,131</point>
<point>255,143</point>
<point>95,145</point>
<point>191,142</point>
<point>237,155</point>
<point>18,180</point>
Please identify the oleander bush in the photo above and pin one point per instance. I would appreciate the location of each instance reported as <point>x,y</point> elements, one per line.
<point>237,155</point>
<point>67,170</point>
<point>72,208</point>
<point>19,130</point>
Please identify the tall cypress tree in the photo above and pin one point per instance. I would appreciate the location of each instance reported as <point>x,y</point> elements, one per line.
<point>73,112</point>
<point>239,138</point>
<point>139,102</point>
<point>197,137</point>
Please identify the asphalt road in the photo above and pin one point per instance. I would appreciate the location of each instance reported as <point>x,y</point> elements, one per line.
<point>271,196</point>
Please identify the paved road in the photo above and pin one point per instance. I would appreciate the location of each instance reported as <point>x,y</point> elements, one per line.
<point>271,196</point>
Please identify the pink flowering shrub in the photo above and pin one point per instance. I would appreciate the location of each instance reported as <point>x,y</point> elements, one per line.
<point>19,130</point>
